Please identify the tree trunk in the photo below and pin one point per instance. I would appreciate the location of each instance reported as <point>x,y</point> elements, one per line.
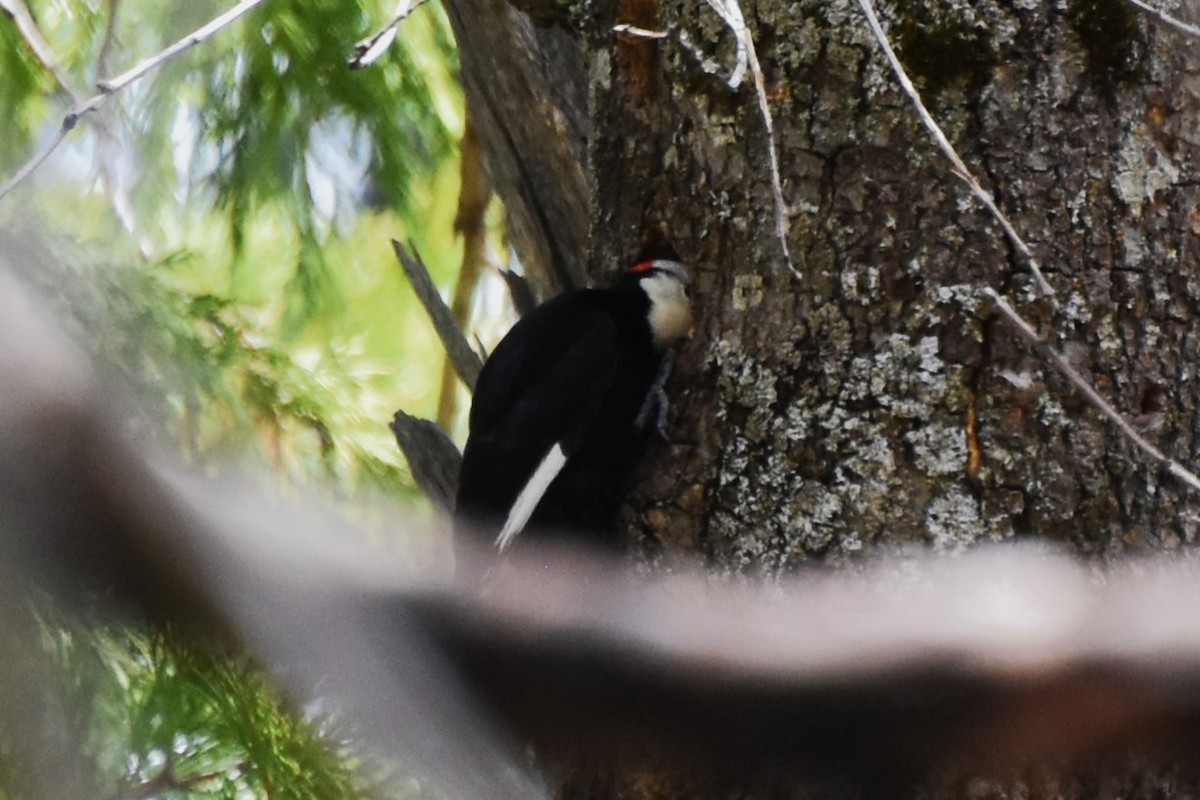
<point>876,401</point>
<point>526,90</point>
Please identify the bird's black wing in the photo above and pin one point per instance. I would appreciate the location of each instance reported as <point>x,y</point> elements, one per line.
<point>558,344</point>
<point>540,389</point>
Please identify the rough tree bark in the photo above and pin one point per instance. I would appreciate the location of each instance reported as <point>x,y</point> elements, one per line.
<point>876,401</point>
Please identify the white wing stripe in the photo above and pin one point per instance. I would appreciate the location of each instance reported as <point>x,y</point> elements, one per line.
<point>531,495</point>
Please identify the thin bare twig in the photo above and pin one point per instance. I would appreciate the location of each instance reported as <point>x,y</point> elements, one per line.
<point>44,53</point>
<point>369,50</point>
<point>639,33</point>
<point>35,162</point>
<point>192,39</point>
<point>117,192</point>
<point>773,159</point>
<point>1055,358</point>
<point>706,64</point>
<point>731,13</point>
<point>960,168</point>
<point>1089,393</point>
<point>465,360</point>
<point>747,57</point>
<point>110,37</point>
<point>42,50</point>
<point>1163,16</point>
<point>112,85</point>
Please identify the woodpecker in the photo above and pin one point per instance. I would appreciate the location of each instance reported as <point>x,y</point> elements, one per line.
<point>560,408</point>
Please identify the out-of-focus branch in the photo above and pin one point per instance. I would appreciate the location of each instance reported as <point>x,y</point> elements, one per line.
<point>86,513</point>
<point>110,86</point>
<point>114,187</point>
<point>38,159</point>
<point>893,671</point>
<point>110,37</point>
<point>201,34</point>
<point>41,49</point>
<point>27,26</point>
<point>474,195</point>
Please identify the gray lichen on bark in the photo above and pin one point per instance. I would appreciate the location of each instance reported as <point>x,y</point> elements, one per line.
<point>877,402</point>
<point>869,404</point>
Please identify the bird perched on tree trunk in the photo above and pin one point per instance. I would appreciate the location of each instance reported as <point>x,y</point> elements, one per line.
<point>560,409</point>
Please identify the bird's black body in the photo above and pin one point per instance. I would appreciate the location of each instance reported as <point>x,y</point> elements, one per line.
<point>574,372</point>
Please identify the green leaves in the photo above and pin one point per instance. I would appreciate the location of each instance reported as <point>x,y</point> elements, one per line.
<point>23,85</point>
<point>259,180</point>
<point>291,125</point>
<point>217,237</point>
<point>163,716</point>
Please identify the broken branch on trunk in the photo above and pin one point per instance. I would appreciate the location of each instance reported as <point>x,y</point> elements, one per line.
<point>465,360</point>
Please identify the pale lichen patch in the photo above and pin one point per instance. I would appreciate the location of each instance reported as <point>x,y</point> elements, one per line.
<point>747,292</point>
<point>938,449</point>
<point>860,284</point>
<point>953,521</point>
<point>1143,170</point>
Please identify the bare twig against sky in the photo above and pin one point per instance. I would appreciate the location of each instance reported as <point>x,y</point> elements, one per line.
<point>369,50</point>
<point>110,86</point>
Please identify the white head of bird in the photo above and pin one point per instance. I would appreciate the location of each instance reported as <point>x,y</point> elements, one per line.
<point>666,284</point>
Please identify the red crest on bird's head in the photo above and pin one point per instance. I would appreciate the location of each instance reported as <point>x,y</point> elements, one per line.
<point>654,247</point>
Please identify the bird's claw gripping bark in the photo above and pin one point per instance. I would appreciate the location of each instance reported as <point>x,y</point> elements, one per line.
<point>657,397</point>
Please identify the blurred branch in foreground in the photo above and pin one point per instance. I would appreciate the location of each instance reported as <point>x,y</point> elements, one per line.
<point>993,660</point>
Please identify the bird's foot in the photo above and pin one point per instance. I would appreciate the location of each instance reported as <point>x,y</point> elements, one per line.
<point>657,397</point>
